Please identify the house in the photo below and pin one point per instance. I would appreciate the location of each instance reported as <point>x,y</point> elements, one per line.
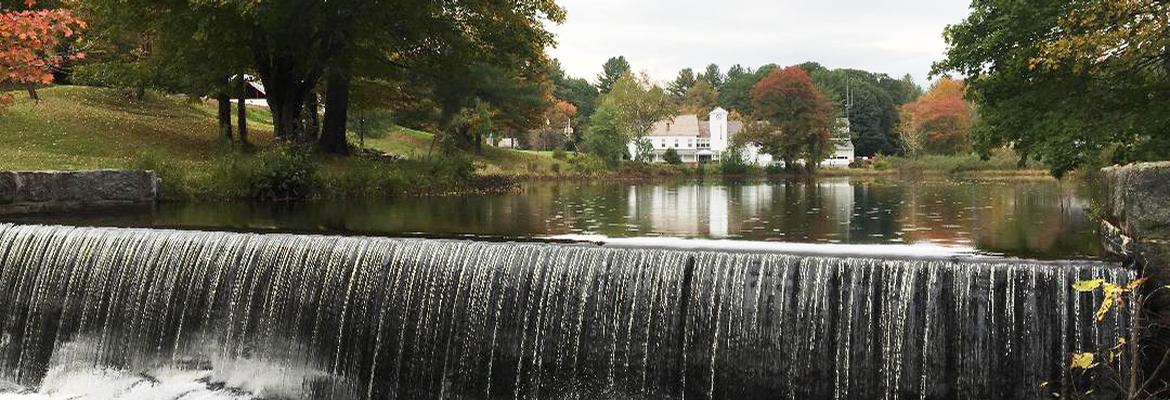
<point>254,93</point>
<point>695,141</point>
<point>698,142</point>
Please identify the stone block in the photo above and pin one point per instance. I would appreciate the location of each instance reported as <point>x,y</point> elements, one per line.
<point>8,187</point>
<point>37,186</point>
<point>1139,199</point>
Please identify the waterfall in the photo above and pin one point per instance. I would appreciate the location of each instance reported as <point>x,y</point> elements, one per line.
<point>288,316</point>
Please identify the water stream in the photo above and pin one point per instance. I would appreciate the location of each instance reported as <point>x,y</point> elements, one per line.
<point>158,314</point>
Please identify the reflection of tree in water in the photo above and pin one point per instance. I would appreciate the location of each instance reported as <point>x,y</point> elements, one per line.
<point>1021,218</point>
<point>1041,218</point>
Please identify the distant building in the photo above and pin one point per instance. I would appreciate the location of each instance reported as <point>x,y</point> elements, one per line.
<point>254,93</point>
<point>505,143</point>
<point>699,142</point>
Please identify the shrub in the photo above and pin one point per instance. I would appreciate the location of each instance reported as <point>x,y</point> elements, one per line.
<point>281,174</point>
<point>774,169</point>
<point>671,157</point>
<point>732,162</point>
<point>586,164</point>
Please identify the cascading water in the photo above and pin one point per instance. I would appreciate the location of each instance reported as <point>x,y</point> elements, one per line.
<point>171,314</point>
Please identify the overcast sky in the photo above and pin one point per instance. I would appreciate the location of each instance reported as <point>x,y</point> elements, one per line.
<point>663,36</point>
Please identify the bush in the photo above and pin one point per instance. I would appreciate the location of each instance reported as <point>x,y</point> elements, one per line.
<point>774,169</point>
<point>281,174</point>
<point>586,164</point>
<point>732,162</point>
<point>671,157</point>
<point>560,154</point>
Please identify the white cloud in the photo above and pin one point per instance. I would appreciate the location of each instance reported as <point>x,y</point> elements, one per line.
<point>663,36</point>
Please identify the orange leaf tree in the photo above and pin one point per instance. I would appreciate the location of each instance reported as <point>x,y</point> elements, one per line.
<point>940,121</point>
<point>29,44</point>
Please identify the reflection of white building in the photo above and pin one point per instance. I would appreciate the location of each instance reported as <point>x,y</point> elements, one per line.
<point>696,141</point>
<point>717,211</point>
<point>684,210</point>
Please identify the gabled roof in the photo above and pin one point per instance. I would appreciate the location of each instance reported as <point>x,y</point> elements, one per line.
<point>682,125</point>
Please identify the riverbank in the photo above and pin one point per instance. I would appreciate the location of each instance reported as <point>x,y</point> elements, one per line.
<point>84,128</point>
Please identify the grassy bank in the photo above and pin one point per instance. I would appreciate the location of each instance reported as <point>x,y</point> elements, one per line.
<point>76,128</point>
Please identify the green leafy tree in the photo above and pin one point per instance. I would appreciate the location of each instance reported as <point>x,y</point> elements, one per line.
<point>1068,83</point>
<point>712,76</point>
<point>300,47</point>
<point>869,100</point>
<point>611,71</point>
<point>736,93</point>
<point>795,119</point>
<point>636,105</point>
<point>682,84</point>
<point>671,157</point>
<point>604,138</point>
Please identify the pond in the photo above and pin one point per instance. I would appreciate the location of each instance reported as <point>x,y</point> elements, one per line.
<point>1033,218</point>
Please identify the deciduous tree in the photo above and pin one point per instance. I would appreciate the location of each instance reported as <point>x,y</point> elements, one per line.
<point>795,120</point>
<point>940,121</point>
<point>636,104</point>
<point>1069,83</point>
<point>700,99</point>
<point>29,45</point>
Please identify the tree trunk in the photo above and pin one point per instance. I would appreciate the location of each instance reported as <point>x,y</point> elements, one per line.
<point>312,117</point>
<point>242,117</point>
<point>336,112</point>
<point>32,93</point>
<point>286,93</point>
<point>225,115</point>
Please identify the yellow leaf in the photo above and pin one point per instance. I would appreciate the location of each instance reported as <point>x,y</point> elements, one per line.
<point>1134,284</point>
<point>1111,289</point>
<point>1088,286</point>
<point>1082,360</point>
<point>1106,304</point>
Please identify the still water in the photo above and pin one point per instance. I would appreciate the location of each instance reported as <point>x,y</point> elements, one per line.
<point>1034,218</point>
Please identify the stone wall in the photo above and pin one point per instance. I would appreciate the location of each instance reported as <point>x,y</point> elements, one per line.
<point>23,192</point>
<point>1137,226</point>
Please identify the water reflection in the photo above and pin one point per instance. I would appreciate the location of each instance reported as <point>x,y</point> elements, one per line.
<point>1033,218</point>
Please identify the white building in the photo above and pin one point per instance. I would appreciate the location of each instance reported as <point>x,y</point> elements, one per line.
<point>700,142</point>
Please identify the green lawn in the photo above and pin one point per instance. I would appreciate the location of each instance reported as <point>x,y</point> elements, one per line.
<point>413,144</point>
<point>76,128</point>
<point>86,128</point>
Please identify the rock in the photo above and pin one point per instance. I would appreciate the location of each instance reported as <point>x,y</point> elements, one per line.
<point>37,187</point>
<point>1139,199</point>
<point>54,191</point>
<point>8,186</point>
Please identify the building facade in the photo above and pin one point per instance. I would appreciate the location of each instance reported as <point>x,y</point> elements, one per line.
<point>699,142</point>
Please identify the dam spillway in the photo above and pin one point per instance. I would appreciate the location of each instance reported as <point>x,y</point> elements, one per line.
<point>288,316</point>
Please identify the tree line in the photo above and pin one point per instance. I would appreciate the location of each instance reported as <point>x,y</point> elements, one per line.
<point>437,63</point>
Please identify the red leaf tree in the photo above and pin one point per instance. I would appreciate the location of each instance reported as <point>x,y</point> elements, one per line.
<point>30,43</point>
<point>795,119</point>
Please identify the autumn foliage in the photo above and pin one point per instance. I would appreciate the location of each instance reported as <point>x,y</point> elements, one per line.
<point>30,42</point>
<point>795,118</point>
<point>940,121</point>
